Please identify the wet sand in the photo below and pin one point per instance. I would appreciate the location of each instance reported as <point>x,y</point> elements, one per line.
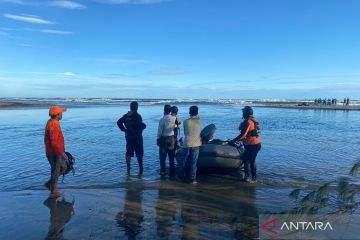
<point>163,209</point>
<point>311,107</point>
<point>10,105</point>
<point>264,104</point>
<point>304,106</point>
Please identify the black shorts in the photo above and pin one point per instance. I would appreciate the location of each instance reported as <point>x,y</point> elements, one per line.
<point>134,144</point>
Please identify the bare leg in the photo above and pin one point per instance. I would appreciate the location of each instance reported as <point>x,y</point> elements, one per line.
<point>128,159</point>
<point>141,168</point>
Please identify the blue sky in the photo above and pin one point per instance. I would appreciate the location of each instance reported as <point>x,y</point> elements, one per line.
<point>282,49</point>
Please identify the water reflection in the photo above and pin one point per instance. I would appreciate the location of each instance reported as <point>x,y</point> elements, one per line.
<point>212,213</point>
<point>165,213</point>
<point>248,225</point>
<point>61,212</point>
<point>131,216</point>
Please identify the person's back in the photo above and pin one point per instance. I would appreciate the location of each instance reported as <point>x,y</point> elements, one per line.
<point>191,146</point>
<point>251,126</point>
<point>131,123</point>
<point>192,130</point>
<point>166,140</point>
<point>166,126</point>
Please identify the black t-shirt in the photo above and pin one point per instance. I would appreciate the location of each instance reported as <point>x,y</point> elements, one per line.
<point>132,124</point>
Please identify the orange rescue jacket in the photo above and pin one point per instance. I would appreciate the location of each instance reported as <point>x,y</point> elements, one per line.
<point>246,127</point>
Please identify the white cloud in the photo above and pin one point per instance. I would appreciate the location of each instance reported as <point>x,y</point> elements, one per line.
<point>168,71</point>
<point>12,1</point>
<point>7,29</point>
<point>69,74</point>
<point>21,2</point>
<point>138,2</point>
<point>66,4</point>
<point>46,74</point>
<point>24,45</point>
<point>28,19</point>
<point>58,3</point>
<point>120,61</point>
<point>53,31</point>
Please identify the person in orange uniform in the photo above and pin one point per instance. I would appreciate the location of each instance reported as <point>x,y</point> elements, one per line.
<point>249,135</point>
<point>55,149</point>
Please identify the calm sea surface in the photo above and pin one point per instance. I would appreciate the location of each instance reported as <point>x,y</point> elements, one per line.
<point>298,146</point>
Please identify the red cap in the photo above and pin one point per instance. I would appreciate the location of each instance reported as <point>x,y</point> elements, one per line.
<point>55,110</point>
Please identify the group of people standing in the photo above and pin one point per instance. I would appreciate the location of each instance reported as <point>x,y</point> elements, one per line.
<point>332,101</point>
<point>167,139</point>
<point>132,125</point>
<point>319,101</point>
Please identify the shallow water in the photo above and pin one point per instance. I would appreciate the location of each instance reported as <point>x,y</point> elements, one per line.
<point>298,146</point>
<point>138,210</point>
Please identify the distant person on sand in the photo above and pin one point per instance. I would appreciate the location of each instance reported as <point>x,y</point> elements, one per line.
<point>250,137</point>
<point>344,103</point>
<point>131,123</point>
<point>347,101</point>
<point>166,140</point>
<point>55,149</point>
<point>329,101</point>
<point>192,143</point>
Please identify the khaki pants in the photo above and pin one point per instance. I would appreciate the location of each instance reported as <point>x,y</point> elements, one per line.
<point>167,148</point>
<point>58,167</point>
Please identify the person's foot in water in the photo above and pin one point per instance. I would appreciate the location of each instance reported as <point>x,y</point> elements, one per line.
<point>56,194</point>
<point>47,185</point>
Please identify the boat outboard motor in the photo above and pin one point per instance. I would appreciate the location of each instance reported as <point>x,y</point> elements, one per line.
<point>207,133</point>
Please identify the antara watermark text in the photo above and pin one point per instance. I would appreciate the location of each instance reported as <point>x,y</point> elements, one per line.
<point>305,226</point>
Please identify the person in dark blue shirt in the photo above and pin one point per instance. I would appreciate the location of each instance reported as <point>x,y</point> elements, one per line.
<point>131,123</point>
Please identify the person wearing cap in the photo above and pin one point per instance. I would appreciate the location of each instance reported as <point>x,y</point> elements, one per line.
<point>249,136</point>
<point>191,146</point>
<point>131,123</point>
<point>55,149</point>
<point>166,140</point>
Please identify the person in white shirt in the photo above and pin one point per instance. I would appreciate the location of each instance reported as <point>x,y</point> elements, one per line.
<point>166,140</point>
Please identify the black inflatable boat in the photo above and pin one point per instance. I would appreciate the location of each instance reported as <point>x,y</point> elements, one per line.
<point>216,153</point>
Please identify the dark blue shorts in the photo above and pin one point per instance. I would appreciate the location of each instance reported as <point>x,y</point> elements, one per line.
<point>134,144</point>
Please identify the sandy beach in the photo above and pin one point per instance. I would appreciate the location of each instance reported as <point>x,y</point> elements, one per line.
<point>303,105</point>
<point>138,209</point>
<point>101,202</point>
<point>179,120</point>
<point>11,105</point>
<point>264,104</point>
<point>310,107</point>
